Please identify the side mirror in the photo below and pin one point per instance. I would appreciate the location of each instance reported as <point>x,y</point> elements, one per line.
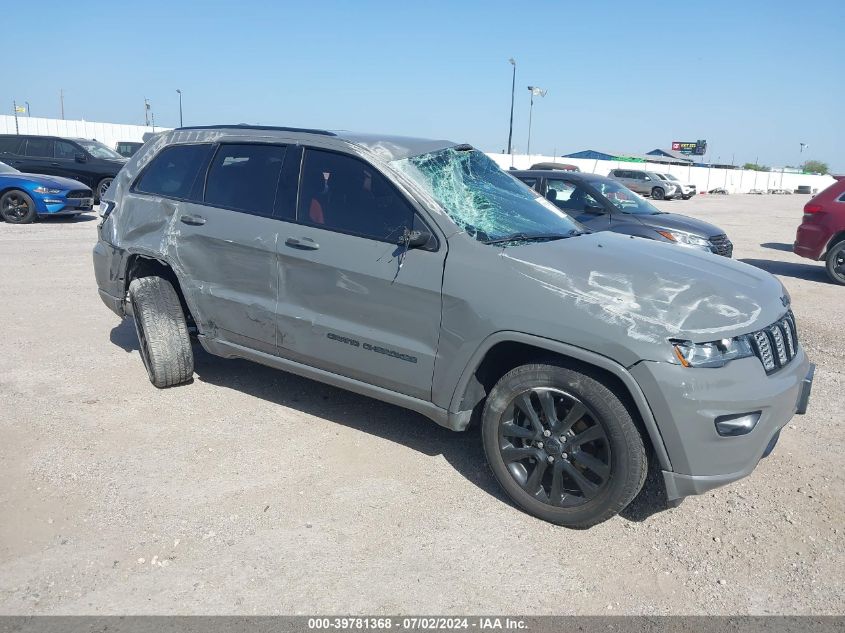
<point>414,239</point>
<point>647,178</point>
<point>81,158</point>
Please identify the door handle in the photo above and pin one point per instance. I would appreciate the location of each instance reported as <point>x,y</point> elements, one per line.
<point>305,243</point>
<point>193,220</point>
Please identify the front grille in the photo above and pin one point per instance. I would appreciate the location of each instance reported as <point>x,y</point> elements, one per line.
<point>777,344</point>
<point>721,245</point>
<point>79,193</point>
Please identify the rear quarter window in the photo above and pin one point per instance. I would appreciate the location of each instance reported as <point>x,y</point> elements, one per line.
<point>10,145</point>
<point>175,172</point>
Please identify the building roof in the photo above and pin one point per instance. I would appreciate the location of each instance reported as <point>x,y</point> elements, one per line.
<point>623,156</point>
<point>670,153</point>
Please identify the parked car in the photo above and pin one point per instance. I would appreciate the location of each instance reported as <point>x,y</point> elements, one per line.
<point>602,204</point>
<point>325,254</point>
<point>821,235</point>
<point>90,162</point>
<point>25,197</point>
<point>560,166</point>
<point>127,148</point>
<point>646,183</point>
<point>685,189</point>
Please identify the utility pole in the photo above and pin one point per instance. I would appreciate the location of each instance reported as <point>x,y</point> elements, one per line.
<point>180,106</point>
<point>146,112</point>
<point>62,99</point>
<point>15,112</point>
<point>513,92</point>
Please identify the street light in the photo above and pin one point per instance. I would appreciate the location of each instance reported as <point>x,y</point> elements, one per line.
<point>180,106</point>
<point>513,92</point>
<point>535,92</point>
<point>28,113</point>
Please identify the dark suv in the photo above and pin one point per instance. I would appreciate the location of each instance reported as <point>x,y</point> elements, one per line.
<point>88,162</point>
<point>417,272</point>
<point>602,204</point>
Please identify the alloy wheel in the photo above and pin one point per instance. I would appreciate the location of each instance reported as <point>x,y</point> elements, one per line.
<point>104,186</point>
<point>555,447</point>
<point>15,207</point>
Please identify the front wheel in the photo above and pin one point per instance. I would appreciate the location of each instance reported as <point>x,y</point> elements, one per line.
<point>657,193</point>
<point>562,445</point>
<point>16,207</point>
<point>102,187</point>
<point>835,263</point>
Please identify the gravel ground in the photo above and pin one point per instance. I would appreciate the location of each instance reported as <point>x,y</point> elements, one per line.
<point>254,491</point>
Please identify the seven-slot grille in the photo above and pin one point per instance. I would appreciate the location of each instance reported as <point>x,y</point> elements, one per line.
<point>80,193</point>
<point>722,245</point>
<point>777,344</point>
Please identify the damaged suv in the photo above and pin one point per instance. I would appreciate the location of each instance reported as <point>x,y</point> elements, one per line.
<point>418,273</point>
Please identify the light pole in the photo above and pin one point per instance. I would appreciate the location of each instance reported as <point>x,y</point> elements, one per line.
<point>180,106</point>
<point>803,145</point>
<point>28,113</point>
<point>513,92</point>
<point>535,92</point>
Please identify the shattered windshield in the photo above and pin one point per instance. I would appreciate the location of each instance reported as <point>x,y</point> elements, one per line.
<point>484,201</point>
<point>623,198</point>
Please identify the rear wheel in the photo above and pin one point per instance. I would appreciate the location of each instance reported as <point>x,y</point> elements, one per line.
<point>162,332</point>
<point>835,263</point>
<point>562,445</point>
<point>657,193</point>
<point>17,207</point>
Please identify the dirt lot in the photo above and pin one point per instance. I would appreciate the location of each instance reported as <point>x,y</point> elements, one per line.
<point>254,491</point>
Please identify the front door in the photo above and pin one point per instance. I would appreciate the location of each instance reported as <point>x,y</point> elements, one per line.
<point>351,299</point>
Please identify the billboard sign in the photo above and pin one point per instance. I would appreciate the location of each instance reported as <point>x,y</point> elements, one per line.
<point>699,148</point>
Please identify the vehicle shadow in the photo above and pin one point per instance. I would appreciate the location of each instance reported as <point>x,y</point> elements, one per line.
<point>68,219</point>
<point>778,246</point>
<point>463,451</point>
<point>808,272</point>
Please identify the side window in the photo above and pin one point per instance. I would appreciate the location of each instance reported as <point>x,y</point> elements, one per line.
<point>10,145</point>
<point>346,194</point>
<point>245,178</point>
<point>66,150</point>
<point>174,172</point>
<point>531,182</point>
<point>39,147</point>
<point>571,196</point>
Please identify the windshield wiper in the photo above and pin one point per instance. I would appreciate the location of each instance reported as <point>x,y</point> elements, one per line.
<point>526,237</point>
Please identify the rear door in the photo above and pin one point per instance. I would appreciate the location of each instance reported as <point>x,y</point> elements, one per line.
<point>38,154</point>
<point>351,300</point>
<point>11,148</point>
<point>226,242</point>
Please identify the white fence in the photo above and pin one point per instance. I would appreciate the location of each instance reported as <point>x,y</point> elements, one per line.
<point>107,133</point>
<point>704,178</point>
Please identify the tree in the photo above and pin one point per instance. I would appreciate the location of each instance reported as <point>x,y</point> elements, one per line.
<point>756,167</point>
<point>815,167</point>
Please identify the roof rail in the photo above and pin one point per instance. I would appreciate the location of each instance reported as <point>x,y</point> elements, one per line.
<point>246,126</point>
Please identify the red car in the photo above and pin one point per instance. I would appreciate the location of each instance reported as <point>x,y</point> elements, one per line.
<point>821,235</point>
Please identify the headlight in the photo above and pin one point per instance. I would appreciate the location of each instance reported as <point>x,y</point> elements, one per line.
<point>685,239</point>
<point>715,354</point>
<point>41,189</point>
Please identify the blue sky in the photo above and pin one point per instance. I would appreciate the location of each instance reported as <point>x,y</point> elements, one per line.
<point>753,78</point>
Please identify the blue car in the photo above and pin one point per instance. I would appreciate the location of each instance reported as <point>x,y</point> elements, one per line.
<point>25,197</point>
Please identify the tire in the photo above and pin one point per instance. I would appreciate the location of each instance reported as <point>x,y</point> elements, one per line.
<point>16,207</point>
<point>601,465</point>
<point>835,263</point>
<point>101,189</point>
<point>657,193</point>
<point>162,332</point>
<point>686,197</point>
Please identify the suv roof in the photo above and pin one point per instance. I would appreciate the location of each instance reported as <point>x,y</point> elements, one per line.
<point>557,173</point>
<point>388,147</point>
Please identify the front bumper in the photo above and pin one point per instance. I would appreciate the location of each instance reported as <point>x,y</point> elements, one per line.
<point>59,205</point>
<point>686,402</point>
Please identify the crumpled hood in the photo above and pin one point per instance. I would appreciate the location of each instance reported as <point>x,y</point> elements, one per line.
<point>647,290</point>
<point>680,222</point>
<point>52,182</point>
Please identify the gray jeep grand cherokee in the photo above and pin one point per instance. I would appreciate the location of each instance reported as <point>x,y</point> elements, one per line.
<point>417,272</point>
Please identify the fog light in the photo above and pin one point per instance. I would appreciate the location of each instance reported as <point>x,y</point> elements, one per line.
<point>740,424</point>
<point>53,201</point>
